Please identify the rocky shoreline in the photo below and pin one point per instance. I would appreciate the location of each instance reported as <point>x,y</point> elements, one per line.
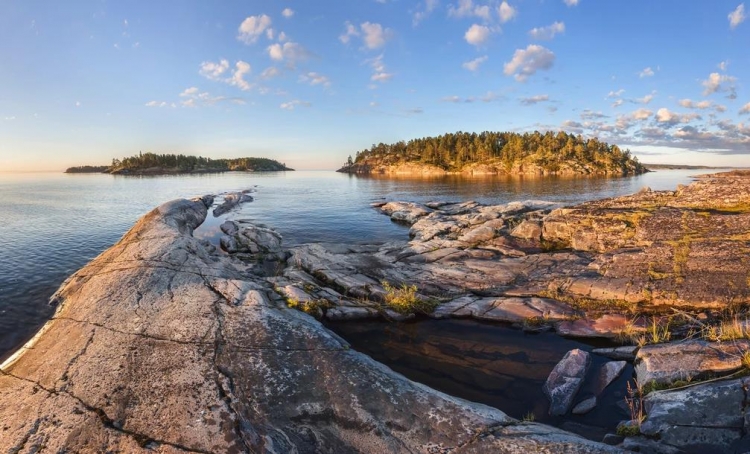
<point>163,343</point>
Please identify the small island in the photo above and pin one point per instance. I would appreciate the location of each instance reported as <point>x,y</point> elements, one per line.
<point>496,153</point>
<point>171,164</point>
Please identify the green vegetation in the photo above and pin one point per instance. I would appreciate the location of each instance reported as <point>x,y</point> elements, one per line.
<point>87,169</point>
<point>179,163</point>
<point>404,299</point>
<point>316,308</point>
<point>505,151</point>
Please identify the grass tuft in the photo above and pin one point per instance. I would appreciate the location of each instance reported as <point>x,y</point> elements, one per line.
<point>404,299</point>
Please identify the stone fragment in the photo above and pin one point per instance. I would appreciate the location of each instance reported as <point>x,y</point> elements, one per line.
<point>565,380</point>
<point>584,406</point>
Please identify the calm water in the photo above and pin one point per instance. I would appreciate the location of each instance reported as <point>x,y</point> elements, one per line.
<point>489,363</point>
<point>53,224</point>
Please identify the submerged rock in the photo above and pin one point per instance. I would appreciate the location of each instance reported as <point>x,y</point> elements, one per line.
<point>565,380</point>
<point>160,345</point>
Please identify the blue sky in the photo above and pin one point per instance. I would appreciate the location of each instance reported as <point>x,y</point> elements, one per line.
<point>310,82</point>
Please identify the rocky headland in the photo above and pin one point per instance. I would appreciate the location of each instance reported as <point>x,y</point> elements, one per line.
<point>165,343</point>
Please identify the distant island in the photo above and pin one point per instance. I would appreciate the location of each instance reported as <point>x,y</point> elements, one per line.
<point>549,153</point>
<point>166,164</point>
<point>679,167</point>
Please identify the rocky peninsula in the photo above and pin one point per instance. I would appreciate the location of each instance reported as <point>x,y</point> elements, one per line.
<point>165,343</point>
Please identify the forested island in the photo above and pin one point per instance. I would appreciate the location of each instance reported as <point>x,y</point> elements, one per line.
<point>549,153</point>
<point>159,164</point>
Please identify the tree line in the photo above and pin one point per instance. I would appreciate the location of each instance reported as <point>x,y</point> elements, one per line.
<point>548,150</point>
<point>182,163</point>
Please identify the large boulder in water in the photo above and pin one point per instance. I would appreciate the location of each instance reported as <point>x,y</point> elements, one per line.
<point>160,345</point>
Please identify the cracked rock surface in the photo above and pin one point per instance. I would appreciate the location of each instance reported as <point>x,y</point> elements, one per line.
<point>161,344</point>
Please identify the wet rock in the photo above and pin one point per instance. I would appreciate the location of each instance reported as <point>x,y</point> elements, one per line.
<point>565,380</point>
<point>231,200</point>
<point>229,227</point>
<point>706,418</point>
<point>612,439</point>
<point>608,373</point>
<point>584,406</point>
<point>688,360</point>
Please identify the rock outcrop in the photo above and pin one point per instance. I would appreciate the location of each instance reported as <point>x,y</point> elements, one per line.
<point>599,269</point>
<point>161,345</point>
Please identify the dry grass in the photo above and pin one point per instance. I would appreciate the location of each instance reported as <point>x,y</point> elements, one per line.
<point>405,300</point>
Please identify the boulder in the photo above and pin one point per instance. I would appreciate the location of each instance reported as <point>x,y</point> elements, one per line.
<point>626,352</point>
<point>529,230</point>
<point>684,361</point>
<point>565,380</point>
<point>705,418</point>
<point>608,373</point>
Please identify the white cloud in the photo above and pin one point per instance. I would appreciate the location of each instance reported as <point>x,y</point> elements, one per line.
<point>526,62</point>
<point>252,28</point>
<point>548,32</point>
<point>473,65</point>
<point>506,12</point>
<point>723,65</point>
<point>737,16</point>
<point>288,12</point>
<point>641,114</point>
<point>194,98</point>
<point>270,72</point>
<point>534,100</point>
<point>617,103</point>
<point>700,105</point>
<point>292,104</point>
<point>745,109</point>
<point>647,72</point>
<point>11,118</point>
<point>646,99</point>
<point>422,13</point>
<point>213,71</point>
<point>290,51</point>
<point>349,31</point>
<point>664,115</point>
<point>477,35</point>
<point>157,104</point>
<point>615,94</point>
<point>314,78</point>
<point>466,8</point>
<point>190,91</point>
<point>381,77</point>
<point>374,35</point>
<point>719,82</point>
<point>238,77</point>
<point>379,73</point>
<point>571,2</point>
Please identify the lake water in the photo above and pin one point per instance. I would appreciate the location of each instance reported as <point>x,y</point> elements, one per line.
<point>53,224</point>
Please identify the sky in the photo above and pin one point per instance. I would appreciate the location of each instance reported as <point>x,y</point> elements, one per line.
<point>312,82</point>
